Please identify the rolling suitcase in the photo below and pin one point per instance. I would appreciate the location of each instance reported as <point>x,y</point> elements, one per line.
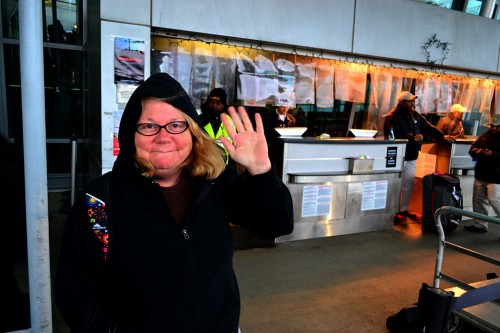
<point>440,190</point>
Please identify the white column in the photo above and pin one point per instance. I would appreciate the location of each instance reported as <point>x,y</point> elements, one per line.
<point>35,163</point>
<point>487,8</point>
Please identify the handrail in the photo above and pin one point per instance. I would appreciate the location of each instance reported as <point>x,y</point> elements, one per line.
<point>442,242</point>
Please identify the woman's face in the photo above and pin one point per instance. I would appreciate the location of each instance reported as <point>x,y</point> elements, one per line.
<point>164,150</point>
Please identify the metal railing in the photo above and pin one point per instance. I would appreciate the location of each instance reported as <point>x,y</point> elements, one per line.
<point>438,274</point>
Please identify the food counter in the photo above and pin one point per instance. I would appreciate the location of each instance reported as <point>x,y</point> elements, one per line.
<point>333,194</point>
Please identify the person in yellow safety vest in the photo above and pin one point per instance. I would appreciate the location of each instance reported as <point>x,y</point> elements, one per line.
<point>211,110</point>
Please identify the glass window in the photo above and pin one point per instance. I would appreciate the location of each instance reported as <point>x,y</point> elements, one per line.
<point>10,19</point>
<point>63,93</point>
<point>473,7</point>
<point>61,21</point>
<point>439,3</point>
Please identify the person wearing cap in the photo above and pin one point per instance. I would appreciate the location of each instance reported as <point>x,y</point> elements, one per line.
<point>486,190</point>
<point>149,247</point>
<point>451,125</point>
<point>408,124</point>
<point>210,117</point>
<point>282,118</point>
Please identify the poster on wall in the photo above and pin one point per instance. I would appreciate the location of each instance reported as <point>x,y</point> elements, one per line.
<point>285,94</point>
<point>224,72</point>
<point>256,80</point>
<point>124,91</point>
<point>176,61</point>
<point>129,60</point>
<point>304,81</point>
<point>203,63</point>
<point>324,84</point>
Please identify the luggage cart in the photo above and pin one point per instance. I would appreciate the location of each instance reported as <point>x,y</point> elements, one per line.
<point>486,315</point>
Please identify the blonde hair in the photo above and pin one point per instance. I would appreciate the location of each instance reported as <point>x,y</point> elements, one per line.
<point>207,159</point>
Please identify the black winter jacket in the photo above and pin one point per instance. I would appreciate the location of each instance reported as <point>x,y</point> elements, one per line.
<point>126,266</point>
<point>406,124</point>
<point>487,168</point>
<point>159,276</point>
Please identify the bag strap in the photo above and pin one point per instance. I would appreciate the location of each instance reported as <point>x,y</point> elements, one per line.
<point>476,296</point>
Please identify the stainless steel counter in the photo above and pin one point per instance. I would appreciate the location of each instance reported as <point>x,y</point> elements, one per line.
<point>329,199</point>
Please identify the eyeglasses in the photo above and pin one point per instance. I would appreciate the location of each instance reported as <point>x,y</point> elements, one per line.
<point>174,127</point>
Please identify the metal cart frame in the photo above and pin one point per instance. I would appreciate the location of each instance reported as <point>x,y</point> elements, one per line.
<point>485,316</point>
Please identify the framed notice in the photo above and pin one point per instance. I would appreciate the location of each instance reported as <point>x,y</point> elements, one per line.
<point>391,158</point>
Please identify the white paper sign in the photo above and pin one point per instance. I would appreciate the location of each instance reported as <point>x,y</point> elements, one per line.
<point>316,200</point>
<point>374,195</point>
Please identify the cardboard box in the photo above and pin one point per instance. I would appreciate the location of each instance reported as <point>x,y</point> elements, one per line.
<point>357,166</point>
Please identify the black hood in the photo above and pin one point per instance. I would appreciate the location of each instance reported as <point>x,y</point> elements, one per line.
<point>159,85</point>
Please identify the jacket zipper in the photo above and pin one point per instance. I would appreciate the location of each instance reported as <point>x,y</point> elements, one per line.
<point>186,236</point>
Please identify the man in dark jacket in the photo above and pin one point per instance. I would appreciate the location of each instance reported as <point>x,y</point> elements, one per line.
<point>149,248</point>
<point>486,192</point>
<point>409,124</point>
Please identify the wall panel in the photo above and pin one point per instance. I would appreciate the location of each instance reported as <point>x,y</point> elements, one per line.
<point>313,23</point>
<point>398,29</point>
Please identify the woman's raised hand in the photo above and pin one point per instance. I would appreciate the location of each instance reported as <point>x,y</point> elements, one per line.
<point>248,147</point>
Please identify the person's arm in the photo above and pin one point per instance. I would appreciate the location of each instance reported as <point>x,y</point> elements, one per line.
<point>258,199</point>
<point>479,150</point>
<point>427,128</point>
<point>261,203</point>
<point>81,279</point>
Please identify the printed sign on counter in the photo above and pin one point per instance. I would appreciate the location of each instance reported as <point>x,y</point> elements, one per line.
<point>316,200</point>
<point>374,195</point>
<point>391,158</point>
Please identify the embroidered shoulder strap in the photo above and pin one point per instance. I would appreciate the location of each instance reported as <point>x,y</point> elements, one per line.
<point>98,217</point>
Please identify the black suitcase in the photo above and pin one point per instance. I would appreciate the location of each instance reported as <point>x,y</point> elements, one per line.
<point>441,190</point>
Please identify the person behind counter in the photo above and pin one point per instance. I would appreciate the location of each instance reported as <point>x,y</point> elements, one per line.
<point>408,124</point>
<point>149,248</point>
<point>283,118</point>
<point>210,118</point>
<point>451,125</point>
<point>279,117</point>
<point>486,190</point>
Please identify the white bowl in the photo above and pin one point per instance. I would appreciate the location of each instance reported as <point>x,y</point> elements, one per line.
<point>362,133</point>
<point>291,131</point>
